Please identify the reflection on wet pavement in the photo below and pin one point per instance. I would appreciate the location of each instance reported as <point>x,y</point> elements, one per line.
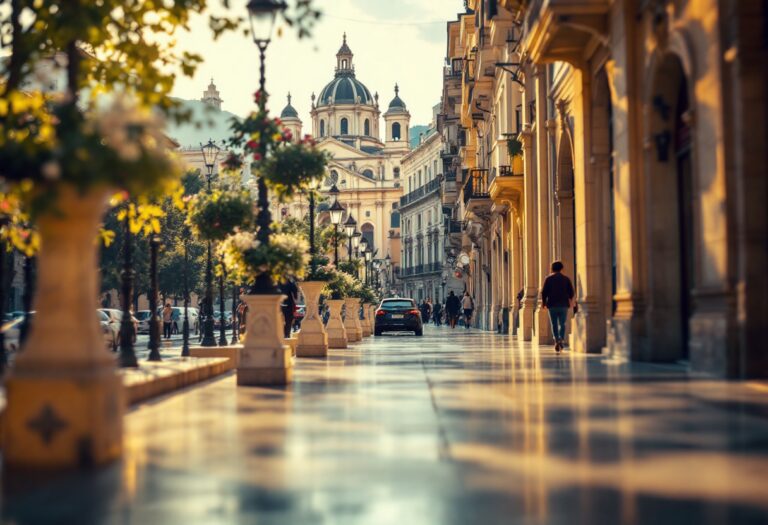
<point>450,428</point>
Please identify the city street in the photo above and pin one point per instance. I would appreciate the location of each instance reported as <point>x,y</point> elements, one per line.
<point>463,427</point>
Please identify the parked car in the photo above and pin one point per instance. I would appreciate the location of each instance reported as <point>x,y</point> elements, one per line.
<point>115,319</point>
<point>177,318</point>
<point>217,319</point>
<point>110,337</point>
<point>398,315</point>
<point>143,317</point>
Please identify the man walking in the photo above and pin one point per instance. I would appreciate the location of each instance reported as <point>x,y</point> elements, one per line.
<point>437,312</point>
<point>468,304</point>
<point>452,307</point>
<point>167,320</point>
<point>557,297</point>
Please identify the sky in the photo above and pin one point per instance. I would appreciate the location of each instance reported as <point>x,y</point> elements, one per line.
<point>394,41</point>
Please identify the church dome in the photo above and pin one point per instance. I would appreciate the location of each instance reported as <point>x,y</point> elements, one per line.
<point>397,105</point>
<point>345,88</point>
<point>289,111</point>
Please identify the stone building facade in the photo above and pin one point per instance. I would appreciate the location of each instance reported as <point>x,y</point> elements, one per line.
<point>625,138</point>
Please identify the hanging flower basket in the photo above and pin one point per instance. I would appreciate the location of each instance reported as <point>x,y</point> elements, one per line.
<point>246,258</point>
<point>213,216</point>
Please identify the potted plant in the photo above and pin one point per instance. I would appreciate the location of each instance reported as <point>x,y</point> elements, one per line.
<point>367,297</point>
<point>338,287</point>
<point>515,150</point>
<point>215,215</point>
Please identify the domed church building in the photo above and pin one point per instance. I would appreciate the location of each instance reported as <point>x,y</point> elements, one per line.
<point>365,167</point>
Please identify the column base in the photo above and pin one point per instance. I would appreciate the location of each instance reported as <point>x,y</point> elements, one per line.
<point>265,359</point>
<point>588,334</point>
<point>59,418</point>
<point>264,376</point>
<point>543,328</point>
<point>525,329</point>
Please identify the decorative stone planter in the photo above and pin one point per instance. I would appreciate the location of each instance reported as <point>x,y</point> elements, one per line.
<point>337,334</point>
<point>313,339</point>
<point>265,359</point>
<point>365,322</point>
<point>352,320</point>
<point>65,398</point>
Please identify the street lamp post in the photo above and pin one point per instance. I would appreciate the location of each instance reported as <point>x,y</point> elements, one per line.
<point>222,324</point>
<point>368,257</point>
<point>210,153</point>
<point>356,246</point>
<point>154,325</point>
<point>262,14</point>
<point>29,263</point>
<point>350,227</point>
<point>185,326</point>
<point>313,184</point>
<point>235,324</point>
<point>127,355</point>
<point>336,210</point>
<point>3,355</point>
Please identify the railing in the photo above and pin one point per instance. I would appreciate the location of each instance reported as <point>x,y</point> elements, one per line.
<point>419,193</point>
<point>419,269</point>
<point>476,185</point>
<point>450,176</point>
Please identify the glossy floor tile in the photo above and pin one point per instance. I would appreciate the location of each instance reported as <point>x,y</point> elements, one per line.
<point>455,427</point>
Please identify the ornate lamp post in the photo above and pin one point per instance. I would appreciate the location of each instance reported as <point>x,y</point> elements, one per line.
<point>127,355</point>
<point>336,210</point>
<point>356,246</point>
<point>154,322</point>
<point>29,289</point>
<point>313,185</point>
<point>185,328</point>
<point>368,257</point>
<point>222,324</point>
<point>210,153</point>
<point>350,227</point>
<point>3,355</point>
<point>235,323</point>
<point>262,14</point>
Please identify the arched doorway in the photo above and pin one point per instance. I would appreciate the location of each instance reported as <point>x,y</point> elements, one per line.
<point>671,212</point>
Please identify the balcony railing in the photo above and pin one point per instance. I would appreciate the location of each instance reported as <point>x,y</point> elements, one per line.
<point>420,269</point>
<point>419,193</point>
<point>476,185</point>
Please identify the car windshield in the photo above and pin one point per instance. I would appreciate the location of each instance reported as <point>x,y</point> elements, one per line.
<point>398,305</point>
<point>102,316</point>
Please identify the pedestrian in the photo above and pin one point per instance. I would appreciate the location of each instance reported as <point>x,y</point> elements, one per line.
<point>468,304</point>
<point>425,311</point>
<point>291,292</point>
<point>557,296</point>
<point>167,320</point>
<point>452,307</point>
<point>437,310</point>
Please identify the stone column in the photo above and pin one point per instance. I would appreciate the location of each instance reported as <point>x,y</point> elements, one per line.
<point>365,322</point>
<point>543,327</point>
<point>264,358</point>
<point>337,334</point>
<point>313,339</point>
<point>531,285</point>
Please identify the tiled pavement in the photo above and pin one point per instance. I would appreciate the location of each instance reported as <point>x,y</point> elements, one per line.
<point>450,428</point>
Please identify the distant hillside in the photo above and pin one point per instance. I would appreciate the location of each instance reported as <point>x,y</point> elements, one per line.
<point>415,130</point>
<point>211,124</point>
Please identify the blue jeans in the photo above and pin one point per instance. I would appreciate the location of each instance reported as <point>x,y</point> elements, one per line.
<point>558,316</point>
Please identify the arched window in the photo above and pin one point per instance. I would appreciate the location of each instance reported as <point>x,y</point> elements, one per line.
<point>367,128</point>
<point>344,126</point>
<point>397,173</point>
<point>396,131</point>
<point>368,173</point>
<point>322,128</point>
<point>344,64</point>
<point>367,231</point>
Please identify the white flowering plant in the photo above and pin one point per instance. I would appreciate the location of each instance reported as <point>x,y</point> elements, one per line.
<point>245,258</point>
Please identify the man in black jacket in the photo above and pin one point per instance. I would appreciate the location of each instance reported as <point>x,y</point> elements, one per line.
<point>452,308</point>
<point>557,297</point>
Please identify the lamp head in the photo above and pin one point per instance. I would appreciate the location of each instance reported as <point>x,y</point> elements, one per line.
<point>336,210</point>
<point>263,14</point>
<point>210,153</point>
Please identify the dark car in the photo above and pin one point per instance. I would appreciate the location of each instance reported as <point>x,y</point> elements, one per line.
<point>398,315</point>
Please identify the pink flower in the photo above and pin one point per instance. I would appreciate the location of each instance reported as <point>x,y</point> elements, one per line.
<point>252,144</point>
<point>257,156</point>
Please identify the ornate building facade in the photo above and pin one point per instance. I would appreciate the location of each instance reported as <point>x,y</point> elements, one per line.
<point>625,138</point>
<point>346,121</point>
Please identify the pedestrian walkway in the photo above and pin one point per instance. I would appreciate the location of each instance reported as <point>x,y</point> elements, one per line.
<point>454,427</point>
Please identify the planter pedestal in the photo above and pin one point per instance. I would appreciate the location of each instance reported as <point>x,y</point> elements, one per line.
<point>264,359</point>
<point>313,339</point>
<point>337,334</point>
<point>352,320</point>
<point>365,322</point>
<point>65,399</point>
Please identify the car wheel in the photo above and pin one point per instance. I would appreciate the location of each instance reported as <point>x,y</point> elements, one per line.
<point>420,332</point>
<point>376,332</point>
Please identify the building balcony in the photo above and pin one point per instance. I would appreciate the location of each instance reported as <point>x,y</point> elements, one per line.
<point>507,182</point>
<point>424,191</point>
<point>475,192</point>
<point>560,30</point>
<point>421,269</point>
